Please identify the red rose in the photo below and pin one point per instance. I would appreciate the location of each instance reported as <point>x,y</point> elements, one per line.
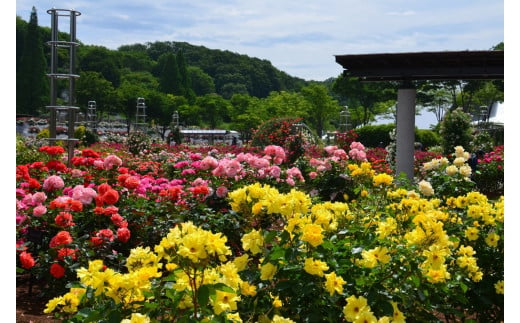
<point>27,260</point>
<point>61,238</point>
<point>123,234</point>
<point>57,270</point>
<point>110,197</point>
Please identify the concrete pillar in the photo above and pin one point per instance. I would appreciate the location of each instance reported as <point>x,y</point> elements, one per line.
<point>405,132</point>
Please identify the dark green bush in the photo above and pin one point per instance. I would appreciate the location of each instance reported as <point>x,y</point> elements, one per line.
<point>428,138</point>
<point>375,136</point>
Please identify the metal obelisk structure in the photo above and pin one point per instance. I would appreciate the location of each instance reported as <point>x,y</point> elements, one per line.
<point>66,73</point>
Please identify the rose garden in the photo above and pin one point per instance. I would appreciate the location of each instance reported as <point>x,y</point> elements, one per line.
<point>283,231</point>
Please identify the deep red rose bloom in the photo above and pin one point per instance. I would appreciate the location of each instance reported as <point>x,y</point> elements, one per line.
<point>26,260</point>
<point>76,206</point>
<point>64,252</point>
<point>103,188</point>
<point>110,197</point>
<point>87,152</point>
<point>34,184</point>
<point>61,238</point>
<point>64,219</point>
<point>131,182</point>
<point>122,178</point>
<point>57,270</point>
<point>123,234</point>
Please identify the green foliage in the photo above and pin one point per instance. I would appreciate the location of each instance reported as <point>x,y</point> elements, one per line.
<point>427,138</point>
<point>44,133</point>
<point>27,150</point>
<point>456,130</point>
<point>138,143</point>
<point>281,132</point>
<point>91,137</point>
<point>489,175</point>
<point>375,136</point>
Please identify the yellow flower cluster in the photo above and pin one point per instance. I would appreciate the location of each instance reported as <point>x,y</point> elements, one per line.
<point>363,170</point>
<point>358,310</point>
<point>257,198</point>
<point>373,257</point>
<point>192,243</point>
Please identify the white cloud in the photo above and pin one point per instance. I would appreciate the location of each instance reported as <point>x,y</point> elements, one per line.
<point>300,38</point>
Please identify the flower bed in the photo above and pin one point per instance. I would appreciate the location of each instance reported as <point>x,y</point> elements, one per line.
<point>227,234</point>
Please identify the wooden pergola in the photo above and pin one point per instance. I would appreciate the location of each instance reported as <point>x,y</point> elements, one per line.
<point>408,67</point>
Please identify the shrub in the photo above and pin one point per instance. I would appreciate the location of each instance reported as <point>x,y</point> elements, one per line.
<point>427,138</point>
<point>375,136</point>
<point>138,142</point>
<point>282,132</point>
<point>456,130</point>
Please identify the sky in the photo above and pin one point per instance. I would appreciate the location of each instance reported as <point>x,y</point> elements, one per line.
<point>300,38</point>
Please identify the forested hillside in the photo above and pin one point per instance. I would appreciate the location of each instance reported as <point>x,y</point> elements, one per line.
<point>213,87</point>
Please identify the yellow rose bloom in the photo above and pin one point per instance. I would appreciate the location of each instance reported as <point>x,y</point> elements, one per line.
<point>280,319</point>
<point>334,283</point>
<point>137,318</point>
<point>267,271</point>
<point>355,306</point>
<point>471,233</point>
<point>225,301</point>
<point>277,303</point>
<point>382,179</point>
<point>452,170</point>
<point>253,241</point>
<point>499,287</point>
<point>312,233</point>
<point>459,161</point>
<point>315,267</point>
<point>397,316</point>
<point>492,239</point>
<point>426,188</point>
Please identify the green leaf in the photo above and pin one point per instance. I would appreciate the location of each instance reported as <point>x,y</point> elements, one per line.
<point>203,295</point>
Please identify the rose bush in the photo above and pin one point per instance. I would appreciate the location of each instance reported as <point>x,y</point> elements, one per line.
<point>235,235</point>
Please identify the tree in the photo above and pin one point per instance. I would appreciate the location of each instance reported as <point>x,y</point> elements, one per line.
<point>214,109</point>
<point>322,106</point>
<point>100,59</point>
<point>201,83</point>
<point>361,98</point>
<point>32,90</point>
<point>92,86</point>
<point>169,78</point>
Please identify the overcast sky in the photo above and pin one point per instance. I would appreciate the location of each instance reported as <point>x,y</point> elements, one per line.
<point>300,38</point>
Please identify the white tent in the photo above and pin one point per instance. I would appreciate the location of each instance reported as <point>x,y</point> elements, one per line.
<point>496,114</point>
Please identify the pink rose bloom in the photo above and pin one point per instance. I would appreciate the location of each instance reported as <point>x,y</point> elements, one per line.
<point>357,145</point>
<point>188,171</point>
<point>232,167</point>
<point>195,156</point>
<point>111,161</point>
<point>340,153</point>
<point>208,163</point>
<point>39,210</point>
<point>358,155</point>
<point>76,173</point>
<point>52,183</point>
<point>259,163</point>
<point>28,199</point>
<point>330,149</point>
<point>290,181</point>
<point>39,198</point>
<point>313,175</point>
<point>275,171</point>
<point>315,162</point>
<point>222,191</point>
<point>83,194</point>
<point>98,164</point>
<point>219,170</point>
